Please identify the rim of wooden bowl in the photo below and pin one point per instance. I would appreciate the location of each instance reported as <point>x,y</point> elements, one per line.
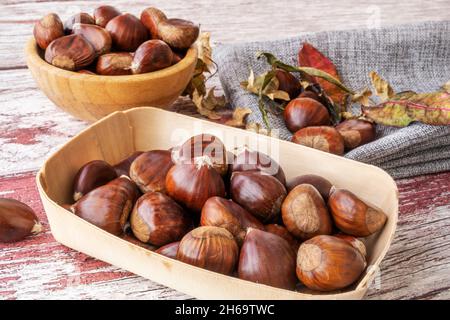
<point>33,58</point>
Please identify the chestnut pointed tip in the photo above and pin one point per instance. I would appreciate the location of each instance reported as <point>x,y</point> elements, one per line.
<point>77,196</point>
<point>37,228</point>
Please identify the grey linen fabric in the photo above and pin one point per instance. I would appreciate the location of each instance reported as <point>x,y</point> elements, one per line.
<point>411,57</point>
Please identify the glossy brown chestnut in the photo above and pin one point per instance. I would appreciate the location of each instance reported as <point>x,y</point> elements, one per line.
<point>178,33</point>
<point>82,17</point>
<point>159,220</point>
<point>152,55</point>
<point>203,145</point>
<point>177,57</point>
<point>321,184</point>
<point>288,83</point>
<point>284,233</point>
<point>352,216</point>
<point>151,17</point>
<point>17,221</point>
<point>355,242</point>
<point>248,160</point>
<point>309,94</point>
<point>268,259</point>
<point>98,37</point>
<point>127,32</point>
<point>108,207</point>
<point>103,14</point>
<point>327,263</point>
<point>169,250</point>
<point>72,52</point>
<point>211,248</point>
<point>356,132</point>
<point>305,112</point>
<point>149,170</point>
<point>193,184</point>
<point>305,213</point>
<point>84,71</point>
<point>227,214</point>
<point>258,193</point>
<point>123,167</point>
<point>114,64</point>
<point>321,138</point>
<point>48,29</point>
<point>90,176</point>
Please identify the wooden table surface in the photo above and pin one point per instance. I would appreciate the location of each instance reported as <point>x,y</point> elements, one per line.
<point>31,127</point>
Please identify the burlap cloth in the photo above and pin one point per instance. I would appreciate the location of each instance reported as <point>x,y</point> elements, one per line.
<point>411,57</point>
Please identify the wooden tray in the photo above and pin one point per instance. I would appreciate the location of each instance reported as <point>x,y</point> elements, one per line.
<point>119,134</point>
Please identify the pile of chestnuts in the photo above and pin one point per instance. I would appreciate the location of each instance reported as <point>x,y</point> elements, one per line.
<point>231,213</point>
<point>114,43</point>
<point>309,120</point>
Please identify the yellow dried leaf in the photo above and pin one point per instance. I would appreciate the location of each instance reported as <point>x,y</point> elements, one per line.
<point>362,97</point>
<point>382,88</point>
<point>204,48</point>
<point>207,104</point>
<point>258,128</point>
<point>447,87</point>
<point>254,85</point>
<point>239,115</point>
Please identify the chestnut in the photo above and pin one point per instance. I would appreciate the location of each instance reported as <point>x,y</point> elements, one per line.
<point>159,220</point>
<point>305,112</point>
<point>152,55</point>
<point>82,17</point>
<point>178,33</point>
<point>177,57</point>
<point>288,83</point>
<point>90,176</point>
<point>149,170</point>
<point>268,259</point>
<point>193,184</point>
<point>169,250</point>
<point>352,216</point>
<point>17,221</point>
<point>203,145</point>
<point>123,167</point>
<point>103,14</point>
<point>249,160</point>
<point>355,242</point>
<point>281,231</point>
<point>108,207</point>
<point>309,94</point>
<point>48,29</point>
<point>327,263</point>
<point>72,52</point>
<point>98,37</point>
<point>150,18</point>
<point>304,212</point>
<point>127,32</point>
<point>356,132</point>
<point>227,214</point>
<point>321,184</point>
<point>260,194</point>
<point>211,248</point>
<point>84,71</point>
<point>322,138</point>
<point>114,64</point>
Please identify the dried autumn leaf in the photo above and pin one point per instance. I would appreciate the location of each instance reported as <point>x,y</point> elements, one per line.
<point>238,118</point>
<point>446,87</point>
<point>258,128</point>
<point>204,49</point>
<point>382,88</point>
<point>404,95</point>
<point>309,56</point>
<point>269,89</point>
<point>206,105</point>
<point>362,97</point>
<point>430,108</point>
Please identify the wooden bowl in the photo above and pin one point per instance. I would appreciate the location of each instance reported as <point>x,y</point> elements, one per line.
<point>91,97</point>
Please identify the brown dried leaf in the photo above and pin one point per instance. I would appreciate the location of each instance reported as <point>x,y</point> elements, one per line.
<point>238,118</point>
<point>258,128</point>
<point>362,97</point>
<point>204,49</point>
<point>382,88</point>
<point>206,105</point>
<point>254,85</point>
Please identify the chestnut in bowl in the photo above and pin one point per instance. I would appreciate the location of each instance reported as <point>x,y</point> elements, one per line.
<point>321,184</point>
<point>268,259</point>
<point>159,220</point>
<point>169,250</point>
<point>227,214</point>
<point>260,194</point>
<point>211,248</point>
<point>149,170</point>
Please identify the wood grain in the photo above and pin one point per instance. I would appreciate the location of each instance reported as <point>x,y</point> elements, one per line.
<point>31,127</point>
